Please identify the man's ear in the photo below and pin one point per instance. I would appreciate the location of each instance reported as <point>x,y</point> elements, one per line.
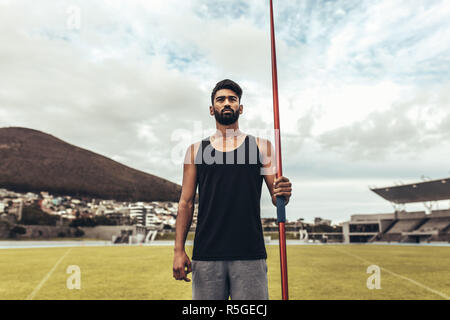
<point>241,108</point>
<point>211,110</point>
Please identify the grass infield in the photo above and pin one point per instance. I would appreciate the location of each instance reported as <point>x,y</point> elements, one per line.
<point>143,272</point>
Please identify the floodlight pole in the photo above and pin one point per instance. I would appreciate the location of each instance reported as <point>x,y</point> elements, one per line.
<point>281,213</point>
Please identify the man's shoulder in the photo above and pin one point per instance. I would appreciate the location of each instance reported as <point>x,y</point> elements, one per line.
<point>263,144</point>
<point>192,151</point>
<point>198,143</point>
<point>261,140</point>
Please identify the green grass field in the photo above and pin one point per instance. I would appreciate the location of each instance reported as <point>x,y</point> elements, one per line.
<point>142,272</point>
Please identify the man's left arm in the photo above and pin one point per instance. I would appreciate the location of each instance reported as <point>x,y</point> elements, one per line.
<point>280,186</point>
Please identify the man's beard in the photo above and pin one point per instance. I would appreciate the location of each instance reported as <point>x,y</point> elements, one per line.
<point>226,118</point>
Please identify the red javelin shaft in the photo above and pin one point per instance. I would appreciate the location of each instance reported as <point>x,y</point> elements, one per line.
<point>280,200</point>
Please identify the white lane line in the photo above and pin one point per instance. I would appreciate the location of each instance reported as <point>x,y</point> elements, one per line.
<point>47,276</point>
<point>397,275</point>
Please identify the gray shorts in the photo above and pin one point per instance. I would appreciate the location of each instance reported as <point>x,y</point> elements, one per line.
<point>237,279</point>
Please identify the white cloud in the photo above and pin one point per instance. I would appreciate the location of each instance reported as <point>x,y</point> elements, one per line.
<point>137,71</point>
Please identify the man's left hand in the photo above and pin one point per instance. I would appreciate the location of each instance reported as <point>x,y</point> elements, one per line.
<point>281,187</point>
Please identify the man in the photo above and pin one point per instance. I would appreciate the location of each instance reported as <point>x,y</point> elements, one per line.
<point>229,255</point>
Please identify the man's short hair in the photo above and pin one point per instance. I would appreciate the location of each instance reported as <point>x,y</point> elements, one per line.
<point>226,84</point>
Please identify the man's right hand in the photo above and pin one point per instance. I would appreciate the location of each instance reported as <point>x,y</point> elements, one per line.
<point>181,266</point>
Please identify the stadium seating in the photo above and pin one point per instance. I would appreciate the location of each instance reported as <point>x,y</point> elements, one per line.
<point>395,237</point>
<point>439,224</point>
<point>405,225</point>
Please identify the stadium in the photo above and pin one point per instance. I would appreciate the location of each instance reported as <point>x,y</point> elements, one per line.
<point>401,226</point>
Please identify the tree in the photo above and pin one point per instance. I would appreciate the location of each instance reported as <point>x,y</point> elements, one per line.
<point>17,230</point>
<point>79,233</point>
<point>92,222</point>
<point>33,215</point>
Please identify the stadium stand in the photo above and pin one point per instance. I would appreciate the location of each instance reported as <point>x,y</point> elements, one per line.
<point>405,225</point>
<point>402,226</point>
<point>435,224</point>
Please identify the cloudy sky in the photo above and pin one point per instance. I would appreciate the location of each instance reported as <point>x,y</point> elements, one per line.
<point>364,86</point>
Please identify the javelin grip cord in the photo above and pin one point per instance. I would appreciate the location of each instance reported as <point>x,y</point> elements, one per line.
<point>281,211</point>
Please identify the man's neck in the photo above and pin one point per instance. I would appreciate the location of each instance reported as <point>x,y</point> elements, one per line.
<point>227,132</point>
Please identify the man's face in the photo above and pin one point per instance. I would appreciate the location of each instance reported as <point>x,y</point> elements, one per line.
<point>226,108</point>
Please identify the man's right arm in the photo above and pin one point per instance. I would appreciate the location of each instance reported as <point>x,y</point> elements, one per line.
<point>182,264</point>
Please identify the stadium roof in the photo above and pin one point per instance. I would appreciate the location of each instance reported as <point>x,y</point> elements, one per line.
<point>433,190</point>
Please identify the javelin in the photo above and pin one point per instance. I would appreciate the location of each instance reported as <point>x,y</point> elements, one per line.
<point>281,213</point>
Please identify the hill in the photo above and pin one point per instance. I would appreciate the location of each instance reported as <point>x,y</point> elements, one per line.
<point>34,161</point>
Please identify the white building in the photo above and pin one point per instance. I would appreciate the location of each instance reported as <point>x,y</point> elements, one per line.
<point>137,211</point>
<point>151,220</point>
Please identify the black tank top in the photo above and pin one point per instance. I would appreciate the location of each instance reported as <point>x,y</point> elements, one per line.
<point>228,221</point>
